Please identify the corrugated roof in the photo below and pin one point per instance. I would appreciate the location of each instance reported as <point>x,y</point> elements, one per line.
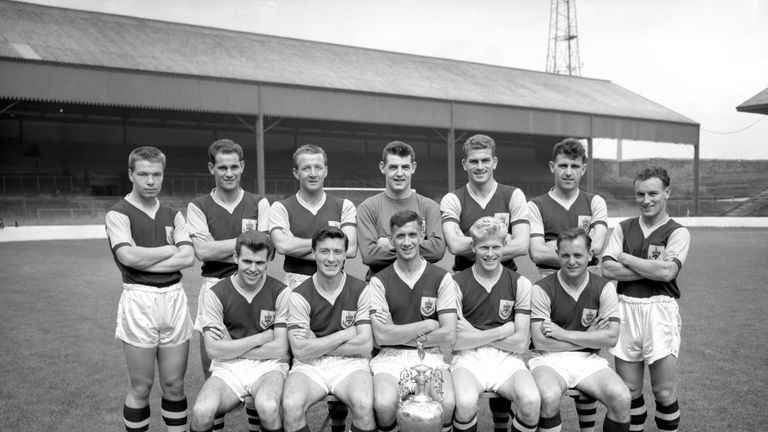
<point>756,104</point>
<point>41,33</point>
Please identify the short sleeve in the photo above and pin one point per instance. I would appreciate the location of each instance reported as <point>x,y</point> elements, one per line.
<point>541,304</point>
<point>446,295</point>
<point>450,208</point>
<point>534,217</point>
<point>298,311</point>
<point>677,246</point>
<point>364,307</point>
<point>264,210</point>
<point>278,217</point>
<point>523,296</point>
<point>615,244</point>
<point>378,297</point>
<point>599,211</point>
<point>609,303</point>
<point>213,311</point>
<point>180,230</point>
<point>348,214</point>
<point>198,223</point>
<point>118,230</point>
<point>518,208</point>
<point>281,308</point>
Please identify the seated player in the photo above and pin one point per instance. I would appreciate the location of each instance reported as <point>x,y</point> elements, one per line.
<point>493,329</point>
<point>330,336</point>
<point>574,313</point>
<point>409,298</point>
<point>244,325</point>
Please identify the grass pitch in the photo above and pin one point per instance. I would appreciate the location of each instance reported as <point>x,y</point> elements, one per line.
<point>63,369</point>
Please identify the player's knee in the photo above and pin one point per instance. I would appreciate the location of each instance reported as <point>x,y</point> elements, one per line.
<point>203,413</point>
<point>293,408</point>
<point>465,405</point>
<point>528,404</point>
<point>665,393</point>
<point>618,399</point>
<point>140,389</point>
<point>268,407</point>
<point>361,405</point>
<point>173,386</point>
<point>550,398</point>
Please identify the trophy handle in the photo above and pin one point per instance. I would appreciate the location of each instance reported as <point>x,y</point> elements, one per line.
<point>437,383</point>
<point>403,385</point>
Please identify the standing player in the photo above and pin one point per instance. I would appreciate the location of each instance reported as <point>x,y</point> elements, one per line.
<point>410,298</point>
<point>245,335</point>
<point>562,208</point>
<point>398,163</point>
<point>294,220</point>
<point>330,335</point>
<point>150,244</point>
<point>494,328</point>
<point>483,196</point>
<point>645,254</point>
<point>574,313</point>
<point>215,220</point>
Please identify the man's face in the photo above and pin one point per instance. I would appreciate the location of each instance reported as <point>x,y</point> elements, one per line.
<point>406,240</point>
<point>652,197</point>
<point>227,171</point>
<point>397,171</point>
<point>488,252</point>
<point>479,165</point>
<point>310,171</point>
<point>567,172</point>
<point>147,178</point>
<point>574,257</point>
<point>330,255</point>
<point>251,266</point>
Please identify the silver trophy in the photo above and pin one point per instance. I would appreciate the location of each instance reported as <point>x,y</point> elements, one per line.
<point>418,412</point>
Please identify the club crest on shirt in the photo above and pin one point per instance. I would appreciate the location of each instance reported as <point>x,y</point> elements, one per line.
<point>428,305</point>
<point>502,217</point>
<point>249,224</point>
<point>267,318</point>
<point>347,318</point>
<point>505,308</point>
<point>584,221</point>
<point>588,317</point>
<point>169,234</point>
<point>336,224</point>
<point>655,251</point>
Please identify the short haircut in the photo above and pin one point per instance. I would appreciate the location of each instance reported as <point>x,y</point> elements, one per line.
<point>145,153</point>
<point>651,172</point>
<point>255,241</point>
<point>308,149</point>
<point>330,232</point>
<point>399,219</point>
<point>574,233</point>
<point>398,148</point>
<point>570,148</point>
<point>479,142</point>
<point>225,146</point>
<point>486,227</point>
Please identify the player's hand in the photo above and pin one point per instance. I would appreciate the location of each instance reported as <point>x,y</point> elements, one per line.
<point>269,333</point>
<point>550,329</point>
<point>204,236</point>
<point>383,317</point>
<point>215,332</point>
<point>508,239</point>
<point>599,324</point>
<point>668,255</point>
<point>552,244</point>
<point>508,328</point>
<point>302,333</point>
<point>385,243</point>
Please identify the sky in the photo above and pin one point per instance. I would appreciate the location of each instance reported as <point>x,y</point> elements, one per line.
<point>700,58</point>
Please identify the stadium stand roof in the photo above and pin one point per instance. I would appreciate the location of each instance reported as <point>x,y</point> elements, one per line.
<point>757,104</point>
<point>156,64</point>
